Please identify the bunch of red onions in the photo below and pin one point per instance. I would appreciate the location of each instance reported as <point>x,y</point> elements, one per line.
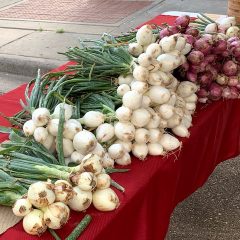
<point>213,63</point>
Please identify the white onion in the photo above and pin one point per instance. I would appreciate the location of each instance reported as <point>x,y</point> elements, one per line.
<point>122,89</point>
<point>81,199</point>
<point>166,111</point>
<point>56,215</point>
<point>116,150</point>
<point>186,49</point>
<point>86,181</point>
<point>124,160</point>
<point>126,144</point>
<point>174,121</point>
<point>181,131</point>
<point>92,163</point>
<point>155,78</point>
<point>154,121</point>
<point>63,191</point>
<point>105,200</point>
<point>99,150</point>
<point>168,43</point>
<point>140,73</point>
<point>125,131</point>
<point>190,106</point>
<point>211,28</point>
<point>154,66</point>
<point>52,127</point>
<point>140,117</point>
<point>154,50</point>
<point>186,89</point>
<point>125,79</point>
<point>140,150</point>
<point>132,100</point>
<point>232,31</point>
<point>192,98</point>
<point>135,49</point>
<point>158,94</point>
<point>227,22</point>
<point>93,119</point>
<point>84,142</point>
<point>40,116</point>
<point>168,62</point>
<point>41,194</point>
<point>68,148</point>
<point>146,101</point>
<point>187,120</point>
<point>29,128</point>
<point>40,134</point>
<point>76,157</point>
<point>145,60</point>
<point>71,128</point>
<point>107,161</point>
<point>155,149</point>
<point>141,135</point>
<point>123,114</point>
<point>173,85</point>
<point>139,86</point>
<point>144,35</point>
<point>103,181</point>
<point>105,132</point>
<point>181,42</point>
<point>22,207</point>
<point>48,143</point>
<point>169,142</point>
<point>155,135</point>
<point>33,223</point>
<point>67,113</point>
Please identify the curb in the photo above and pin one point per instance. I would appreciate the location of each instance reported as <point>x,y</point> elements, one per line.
<point>27,66</point>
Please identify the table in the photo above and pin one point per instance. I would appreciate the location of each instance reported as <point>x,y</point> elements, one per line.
<point>154,187</point>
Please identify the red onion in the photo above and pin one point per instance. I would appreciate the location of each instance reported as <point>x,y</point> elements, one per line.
<point>220,46</point>
<point>232,39</point>
<point>174,29</point>
<point>192,31</point>
<point>203,46</point>
<point>238,86</point>
<point>235,49</point>
<point>205,79</point>
<point>226,93</point>
<point>203,66</point>
<point>217,66</point>
<point>182,21</point>
<point>192,77</point>
<point>230,68</point>
<point>195,57</point>
<point>210,58</point>
<point>194,68</point>
<point>233,81</point>
<point>189,38</point>
<point>215,91</point>
<point>225,53</point>
<point>212,70</point>
<point>202,100</point>
<point>202,93</point>
<point>234,92</point>
<point>164,33</point>
<point>185,66</point>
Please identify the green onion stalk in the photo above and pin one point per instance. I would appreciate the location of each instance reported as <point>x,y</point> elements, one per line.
<point>202,21</point>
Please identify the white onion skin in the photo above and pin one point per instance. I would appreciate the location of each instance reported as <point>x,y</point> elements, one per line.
<point>122,89</point>
<point>166,111</point>
<point>52,126</point>
<point>174,121</point>
<point>141,135</point>
<point>146,102</point>
<point>132,100</point>
<point>155,149</point>
<point>116,150</point>
<point>145,60</point>
<point>67,113</point>
<point>155,135</point>
<point>107,161</point>
<point>56,215</point>
<point>92,163</point>
<point>63,191</point>
<point>29,128</point>
<point>71,128</point>
<point>105,132</point>
<point>99,150</point>
<point>48,143</point>
<point>168,43</point>
<point>140,117</point>
<point>186,89</point>
<point>81,200</point>
<point>169,142</point>
<point>123,114</point>
<point>86,181</point>
<point>93,119</point>
<point>84,142</point>
<point>68,148</point>
<point>40,134</point>
<point>135,49</point>
<point>124,131</point>
<point>154,66</point>
<point>139,86</point>
<point>125,79</point>
<point>140,73</point>
<point>154,122</point>
<point>233,31</point>
<point>192,98</point>
<point>126,144</point>
<point>40,116</point>
<point>144,35</point>
<point>154,50</point>
<point>22,207</point>
<point>33,223</point>
<point>103,181</point>
<point>124,160</point>
<point>158,94</point>
<point>140,150</point>
<point>105,200</point>
<point>76,157</point>
<point>168,62</point>
<point>181,131</point>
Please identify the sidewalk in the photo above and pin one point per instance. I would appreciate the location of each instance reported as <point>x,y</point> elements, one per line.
<point>32,34</point>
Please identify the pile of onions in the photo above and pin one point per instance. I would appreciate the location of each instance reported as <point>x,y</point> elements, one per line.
<point>214,61</point>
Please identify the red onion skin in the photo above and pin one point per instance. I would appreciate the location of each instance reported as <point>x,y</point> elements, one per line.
<point>203,100</point>
<point>192,77</point>
<point>217,66</point>
<point>164,33</point>
<point>195,57</point>
<point>225,53</point>
<point>212,70</point>
<point>220,45</point>
<point>235,48</point>
<point>194,68</point>
<point>226,93</point>
<point>215,91</point>
<point>189,39</point>
<point>233,81</point>
<point>205,79</point>
<point>232,39</point>
<point>185,66</point>
<point>234,93</point>
<point>192,31</point>
<point>174,29</point>
<point>203,66</point>
<point>203,46</point>
<point>238,86</point>
<point>210,58</point>
<point>230,68</point>
<point>202,93</point>
<point>182,21</point>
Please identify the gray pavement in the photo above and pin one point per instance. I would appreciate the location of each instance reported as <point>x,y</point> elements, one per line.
<point>212,212</point>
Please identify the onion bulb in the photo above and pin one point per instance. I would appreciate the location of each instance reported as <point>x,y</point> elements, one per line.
<point>144,35</point>
<point>158,94</point>
<point>116,150</point>
<point>71,128</point>
<point>107,161</point>
<point>122,89</point>
<point>86,181</point>
<point>125,131</point>
<point>123,114</point>
<point>63,191</point>
<point>105,200</point>
<point>140,117</point>
<point>140,73</point>
<point>169,142</point>
<point>29,128</point>
<point>141,135</point>
<point>67,113</point>
<point>126,144</point>
<point>135,49</point>
<point>99,150</point>
<point>52,126</point>
<point>105,132</point>
<point>154,50</point>
<point>93,119</point>
<point>140,150</point>
<point>132,100</point>
<point>76,157</point>
<point>103,181</point>
<point>22,207</point>
<point>40,134</point>
<point>155,135</point>
<point>139,86</point>
<point>181,131</point>
<point>41,194</point>
<point>92,163</point>
<point>125,79</point>
<point>56,215</point>
<point>145,60</point>
<point>155,149</point>
<point>40,116</point>
<point>81,199</point>
<point>33,223</point>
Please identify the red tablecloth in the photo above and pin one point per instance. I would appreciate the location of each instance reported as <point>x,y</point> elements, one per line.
<point>154,187</point>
